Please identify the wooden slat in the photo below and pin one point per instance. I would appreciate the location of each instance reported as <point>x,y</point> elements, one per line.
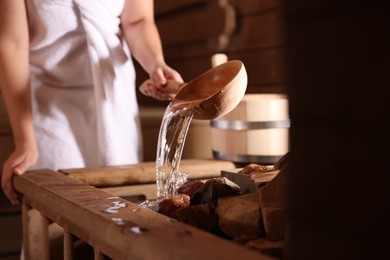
<point>26,244</point>
<point>97,254</point>
<point>262,30</point>
<point>145,234</point>
<point>68,245</point>
<point>145,172</point>
<point>258,31</point>
<point>210,21</point>
<point>190,50</point>
<point>264,67</point>
<point>148,190</point>
<point>163,6</point>
<point>38,235</point>
<point>249,7</point>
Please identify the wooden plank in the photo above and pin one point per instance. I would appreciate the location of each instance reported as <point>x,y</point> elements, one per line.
<point>82,209</point>
<point>175,29</point>
<point>68,245</point>
<point>145,172</point>
<point>38,235</point>
<point>258,31</point>
<point>148,190</point>
<point>190,50</point>
<point>249,7</point>
<point>164,6</point>
<point>26,243</point>
<point>262,30</point>
<point>97,254</point>
<point>264,67</point>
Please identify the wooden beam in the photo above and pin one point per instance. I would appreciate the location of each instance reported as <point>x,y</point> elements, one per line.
<point>257,32</point>
<point>131,232</point>
<point>145,172</point>
<point>250,7</point>
<point>38,235</point>
<point>197,25</point>
<point>68,245</point>
<point>26,244</point>
<point>164,6</point>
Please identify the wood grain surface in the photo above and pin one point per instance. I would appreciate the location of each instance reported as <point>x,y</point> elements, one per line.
<point>145,172</point>
<point>140,234</point>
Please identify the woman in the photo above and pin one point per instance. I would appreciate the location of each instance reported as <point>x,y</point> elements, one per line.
<point>67,80</point>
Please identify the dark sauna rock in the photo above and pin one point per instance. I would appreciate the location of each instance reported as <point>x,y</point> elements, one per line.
<point>190,187</point>
<point>213,189</point>
<point>239,216</point>
<point>254,167</point>
<point>272,198</point>
<point>170,204</point>
<point>202,216</point>
<point>279,164</point>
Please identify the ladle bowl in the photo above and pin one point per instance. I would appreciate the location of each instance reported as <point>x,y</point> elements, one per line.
<point>215,92</point>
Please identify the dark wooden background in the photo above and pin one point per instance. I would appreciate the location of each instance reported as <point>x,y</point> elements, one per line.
<point>337,73</point>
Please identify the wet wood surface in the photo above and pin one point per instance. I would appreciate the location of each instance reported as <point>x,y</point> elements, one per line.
<point>118,228</point>
<point>145,172</point>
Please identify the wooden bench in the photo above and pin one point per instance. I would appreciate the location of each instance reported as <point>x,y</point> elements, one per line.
<point>128,231</point>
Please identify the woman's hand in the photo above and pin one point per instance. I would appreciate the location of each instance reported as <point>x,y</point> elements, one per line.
<point>157,86</point>
<point>18,163</point>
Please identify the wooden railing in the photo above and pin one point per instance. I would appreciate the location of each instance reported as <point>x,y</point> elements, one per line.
<point>112,226</point>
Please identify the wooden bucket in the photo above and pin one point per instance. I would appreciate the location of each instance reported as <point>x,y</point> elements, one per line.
<point>256,131</point>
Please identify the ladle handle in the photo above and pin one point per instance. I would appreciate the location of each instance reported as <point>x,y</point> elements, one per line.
<point>172,86</point>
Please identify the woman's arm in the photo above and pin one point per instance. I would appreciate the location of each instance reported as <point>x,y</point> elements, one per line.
<point>141,34</point>
<point>15,89</point>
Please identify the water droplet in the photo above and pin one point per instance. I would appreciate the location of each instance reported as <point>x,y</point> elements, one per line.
<point>171,220</point>
<point>136,209</point>
<point>138,230</point>
<point>118,221</point>
<point>115,206</point>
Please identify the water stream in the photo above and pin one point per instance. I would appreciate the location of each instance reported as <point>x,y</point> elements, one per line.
<point>173,132</point>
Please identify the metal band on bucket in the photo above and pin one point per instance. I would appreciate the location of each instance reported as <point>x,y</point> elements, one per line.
<point>247,125</point>
<point>245,158</point>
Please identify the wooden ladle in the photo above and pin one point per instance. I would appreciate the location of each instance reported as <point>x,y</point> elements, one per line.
<point>213,93</point>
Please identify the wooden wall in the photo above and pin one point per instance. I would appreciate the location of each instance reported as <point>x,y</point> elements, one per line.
<point>251,31</point>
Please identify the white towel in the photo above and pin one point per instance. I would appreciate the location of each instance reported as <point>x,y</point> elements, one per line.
<point>83,85</point>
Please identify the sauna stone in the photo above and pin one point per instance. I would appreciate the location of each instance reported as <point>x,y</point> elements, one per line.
<point>168,205</point>
<point>190,187</point>
<point>202,216</point>
<point>240,216</point>
<point>213,189</point>
<point>272,199</point>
